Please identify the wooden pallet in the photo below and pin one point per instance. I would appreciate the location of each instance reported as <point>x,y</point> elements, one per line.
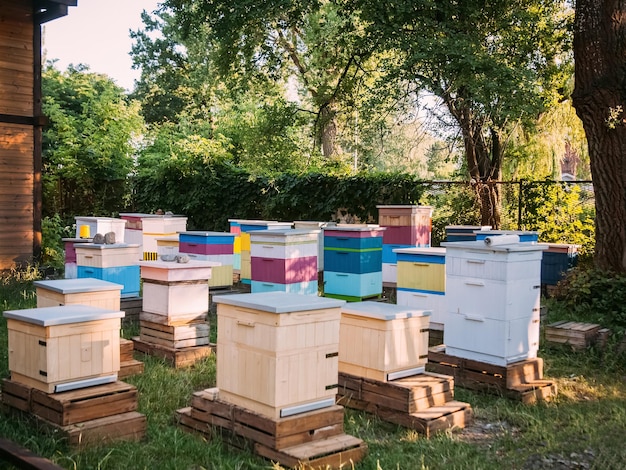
<point>182,357</point>
<point>521,380</point>
<point>312,439</point>
<point>575,334</point>
<point>131,306</point>
<point>175,336</point>
<point>92,415</point>
<point>128,364</point>
<point>74,406</point>
<point>423,402</point>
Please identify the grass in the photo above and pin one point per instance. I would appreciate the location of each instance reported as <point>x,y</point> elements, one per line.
<point>583,427</point>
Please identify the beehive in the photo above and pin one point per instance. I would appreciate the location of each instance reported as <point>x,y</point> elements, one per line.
<point>176,289</point>
<point>87,291</point>
<point>278,352</point>
<point>382,341</point>
<point>61,348</point>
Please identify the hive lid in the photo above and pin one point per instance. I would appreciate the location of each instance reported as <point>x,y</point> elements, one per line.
<point>62,315</point>
<point>201,233</point>
<point>278,302</point>
<point>105,246</point>
<point>480,245</point>
<point>433,251</point>
<point>74,286</point>
<point>191,264</point>
<point>383,311</point>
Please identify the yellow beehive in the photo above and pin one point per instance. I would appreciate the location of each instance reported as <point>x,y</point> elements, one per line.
<point>86,291</point>
<point>421,275</point>
<point>382,341</point>
<point>60,348</point>
<point>278,352</point>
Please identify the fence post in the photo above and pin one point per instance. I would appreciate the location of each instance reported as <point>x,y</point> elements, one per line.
<point>519,205</point>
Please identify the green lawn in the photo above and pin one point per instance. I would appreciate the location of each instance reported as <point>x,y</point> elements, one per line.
<point>583,428</point>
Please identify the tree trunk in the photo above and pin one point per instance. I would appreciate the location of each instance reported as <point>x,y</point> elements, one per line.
<point>327,130</point>
<point>599,97</point>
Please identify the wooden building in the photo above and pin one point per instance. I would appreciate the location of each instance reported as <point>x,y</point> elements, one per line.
<point>21,122</point>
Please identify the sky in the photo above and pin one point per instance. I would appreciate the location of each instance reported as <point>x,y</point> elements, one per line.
<point>96,33</point>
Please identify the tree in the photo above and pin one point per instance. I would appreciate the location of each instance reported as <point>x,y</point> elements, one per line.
<point>89,146</point>
<point>494,64</point>
<point>599,97</point>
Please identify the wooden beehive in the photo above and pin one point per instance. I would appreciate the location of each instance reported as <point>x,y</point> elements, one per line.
<point>65,347</point>
<point>278,352</point>
<point>172,289</point>
<point>382,341</point>
<point>87,291</point>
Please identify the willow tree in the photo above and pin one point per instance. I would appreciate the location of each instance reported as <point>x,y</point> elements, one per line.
<point>494,64</point>
<point>599,97</point>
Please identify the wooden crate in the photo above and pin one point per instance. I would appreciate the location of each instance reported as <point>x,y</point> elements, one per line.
<point>314,439</point>
<point>57,346</point>
<point>175,336</point>
<point>422,402</point>
<point>128,364</point>
<point>522,380</point>
<point>576,334</point>
<point>176,357</point>
<point>382,341</point>
<point>92,415</point>
<point>87,291</point>
<point>277,350</point>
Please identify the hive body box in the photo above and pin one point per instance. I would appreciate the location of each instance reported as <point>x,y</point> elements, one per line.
<point>101,225</point>
<point>88,291</point>
<point>61,348</point>
<point>492,297</point>
<point>278,352</point>
<point>407,226</point>
<point>312,225</point>
<point>464,233</point>
<point>557,259</point>
<point>382,341</point>
<point>422,282</point>
<point>353,261</point>
<point>217,247</point>
<point>114,263</point>
<point>176,290</point>
<point>284,260</point>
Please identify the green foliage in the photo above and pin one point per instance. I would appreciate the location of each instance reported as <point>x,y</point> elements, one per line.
<point>560,212</point>
<point>52,250</point>
<point>595,296</point>
<point>89,146</point>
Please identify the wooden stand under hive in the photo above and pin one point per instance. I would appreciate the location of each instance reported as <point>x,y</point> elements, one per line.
<point>173,324</point>
<point>128,364</point>
<point>575,334</point>
<point>522,380</point>
<point>423,402</point>
<point>314,439</point>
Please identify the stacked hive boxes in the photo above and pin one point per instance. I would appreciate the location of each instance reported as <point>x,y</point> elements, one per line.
<point>145,229</point>
<point>407,226</point>
<point>235,229</point>
<point>278,352</point>
<point>245,228</point>
<point>492,295</point>
<point>422,282</point>
<point>65,347</point>
<point>284,260</point>
<point>353,261</point>
<point>117,263</point>
<point>382,341</point>
<point>71,268</point>
<point>176,303</point>
<point>211,246</point>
